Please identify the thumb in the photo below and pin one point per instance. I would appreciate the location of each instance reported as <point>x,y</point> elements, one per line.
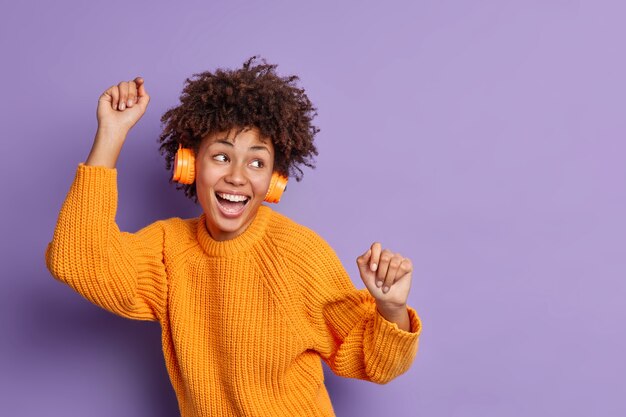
<point>142,95</point>
<point>363,260</point>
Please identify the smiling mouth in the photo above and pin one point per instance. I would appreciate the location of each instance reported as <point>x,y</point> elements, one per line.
<point>231,205</point>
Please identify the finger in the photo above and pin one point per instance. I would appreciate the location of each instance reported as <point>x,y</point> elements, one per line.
<point>383,267</point>
<point>390,279</point>
<point>405,268</point>
<point>375,259</point>
<point>123,87</point>
<point>141,89</point>
<point>115,96</point>
<point>132,94</point>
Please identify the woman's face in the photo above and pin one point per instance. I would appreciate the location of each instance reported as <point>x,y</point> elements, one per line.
<point>233,174</point>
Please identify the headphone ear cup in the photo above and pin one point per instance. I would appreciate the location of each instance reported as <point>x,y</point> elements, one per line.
<point>276,189</point>
<point>184,166</point>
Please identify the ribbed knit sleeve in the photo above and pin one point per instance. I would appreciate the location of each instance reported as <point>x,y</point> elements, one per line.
<point>121,272</point>
<point>349,333</point>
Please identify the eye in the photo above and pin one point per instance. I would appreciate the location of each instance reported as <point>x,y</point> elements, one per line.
<point>258,163</point>
<point>220,157</point>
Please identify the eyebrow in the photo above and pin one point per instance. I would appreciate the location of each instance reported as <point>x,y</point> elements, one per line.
<point>251,148</point>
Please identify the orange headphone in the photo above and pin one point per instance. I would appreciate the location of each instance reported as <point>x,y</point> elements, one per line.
<point>185,167</point>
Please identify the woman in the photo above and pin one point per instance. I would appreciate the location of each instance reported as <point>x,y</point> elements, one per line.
<point>248,300</point>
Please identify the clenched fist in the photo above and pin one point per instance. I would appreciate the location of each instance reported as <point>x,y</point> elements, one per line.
<point>387,276</point>
<point>122,105</point>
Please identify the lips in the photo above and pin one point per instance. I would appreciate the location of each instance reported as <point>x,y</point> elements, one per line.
<point>231,209</point>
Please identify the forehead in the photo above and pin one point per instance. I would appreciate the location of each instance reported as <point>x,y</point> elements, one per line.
<point>235,135</point>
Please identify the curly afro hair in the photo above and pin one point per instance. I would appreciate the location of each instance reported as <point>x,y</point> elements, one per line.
<point>252,96</point>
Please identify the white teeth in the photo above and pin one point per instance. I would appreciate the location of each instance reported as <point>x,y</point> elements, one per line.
<point>232,197</point>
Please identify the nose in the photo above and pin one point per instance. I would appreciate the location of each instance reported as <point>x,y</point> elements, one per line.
<point>235,175</point>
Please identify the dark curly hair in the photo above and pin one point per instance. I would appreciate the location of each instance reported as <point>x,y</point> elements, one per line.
<point>252,96</point>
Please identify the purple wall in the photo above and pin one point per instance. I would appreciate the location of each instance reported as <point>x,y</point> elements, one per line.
<point>479,138</point>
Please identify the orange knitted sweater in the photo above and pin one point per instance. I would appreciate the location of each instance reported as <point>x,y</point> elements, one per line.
<point>245,321</point>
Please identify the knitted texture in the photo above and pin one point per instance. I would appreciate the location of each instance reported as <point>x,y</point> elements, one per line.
<point>244,321</point>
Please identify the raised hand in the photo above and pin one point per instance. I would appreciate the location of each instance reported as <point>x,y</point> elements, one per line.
<point>387,276</point>
<point>119,108</point>
<point>122,105</point>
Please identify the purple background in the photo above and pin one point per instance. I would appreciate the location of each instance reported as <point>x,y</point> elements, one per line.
<point>482,139</point>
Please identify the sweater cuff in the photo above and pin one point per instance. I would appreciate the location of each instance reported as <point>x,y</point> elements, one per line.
<point>98,169</point>
<point>396,348</point>
<point>415,325</point>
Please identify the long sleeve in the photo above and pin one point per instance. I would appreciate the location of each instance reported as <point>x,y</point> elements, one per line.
<point>119,271</point>
<point>350,335</point>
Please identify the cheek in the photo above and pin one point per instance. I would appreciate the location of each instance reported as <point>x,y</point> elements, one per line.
<point>205,179</point>
<point>261,184</point>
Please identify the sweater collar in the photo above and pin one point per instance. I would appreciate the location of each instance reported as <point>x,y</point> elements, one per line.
<point>251,235</point>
